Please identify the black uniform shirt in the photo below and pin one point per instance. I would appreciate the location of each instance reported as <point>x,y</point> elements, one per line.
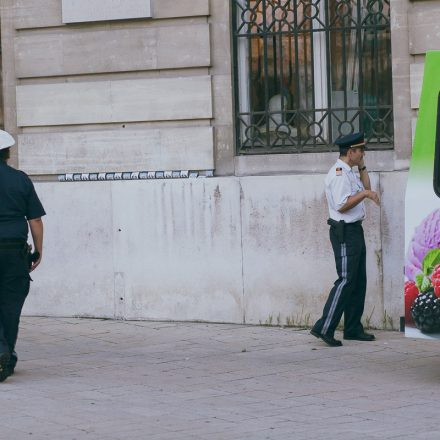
<point>18,202</point>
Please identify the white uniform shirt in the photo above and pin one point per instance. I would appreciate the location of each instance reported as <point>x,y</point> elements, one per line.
<point>341,183</point>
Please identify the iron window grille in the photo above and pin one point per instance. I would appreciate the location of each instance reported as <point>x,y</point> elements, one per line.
<point>307,72</point>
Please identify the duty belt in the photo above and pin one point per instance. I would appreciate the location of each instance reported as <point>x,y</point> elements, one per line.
<point>12,244</point>
<point>358,223</point>
<point>339,227</point>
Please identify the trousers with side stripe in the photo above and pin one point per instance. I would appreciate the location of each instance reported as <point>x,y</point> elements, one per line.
<point>348,293</point>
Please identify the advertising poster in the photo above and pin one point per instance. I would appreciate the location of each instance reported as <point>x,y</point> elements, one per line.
<point>422,213</point>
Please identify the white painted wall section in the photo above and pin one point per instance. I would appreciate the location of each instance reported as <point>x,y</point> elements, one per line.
<point>222,249</point>
<point>178,246</point>
<point>77,277</point>
<point>288,263</point>
<point>141,249</point>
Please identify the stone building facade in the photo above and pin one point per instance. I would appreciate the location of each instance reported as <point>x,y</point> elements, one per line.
<point>93,88</point>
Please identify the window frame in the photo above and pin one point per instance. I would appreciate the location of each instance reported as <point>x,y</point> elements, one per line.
<point>241,93</point>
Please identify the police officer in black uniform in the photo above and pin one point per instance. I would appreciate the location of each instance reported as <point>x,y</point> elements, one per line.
<point>19,207</point>
<point>346,192</point>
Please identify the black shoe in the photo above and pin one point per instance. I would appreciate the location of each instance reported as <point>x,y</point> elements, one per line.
<point>4,365</point>
<point>329,340</point>
<point>363,336</point>
<point>12,363</point>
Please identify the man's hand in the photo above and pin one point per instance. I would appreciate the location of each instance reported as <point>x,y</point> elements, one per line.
<point>36,226</point>
<point>372,195</point>
<point>361,164</point>
<point>35,264</point>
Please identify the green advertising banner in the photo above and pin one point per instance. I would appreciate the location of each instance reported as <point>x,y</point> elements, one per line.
<point>422,213</point>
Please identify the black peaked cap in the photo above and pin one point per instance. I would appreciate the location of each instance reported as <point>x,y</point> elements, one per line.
<point>350,140</point>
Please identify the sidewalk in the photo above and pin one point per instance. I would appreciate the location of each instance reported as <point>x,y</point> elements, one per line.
<point>95,379</point>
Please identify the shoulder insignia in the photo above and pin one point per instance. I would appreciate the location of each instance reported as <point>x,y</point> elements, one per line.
<point>339,171</point>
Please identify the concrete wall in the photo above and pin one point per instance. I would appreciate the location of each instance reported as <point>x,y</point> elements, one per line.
<point>152,90</point>
<point>231,249</point>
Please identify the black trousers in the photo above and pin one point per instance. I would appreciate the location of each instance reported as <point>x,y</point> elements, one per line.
<point>348,293</point>
<point>14,287</point>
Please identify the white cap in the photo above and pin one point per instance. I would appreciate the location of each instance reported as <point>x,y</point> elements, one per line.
<point>6,140</point>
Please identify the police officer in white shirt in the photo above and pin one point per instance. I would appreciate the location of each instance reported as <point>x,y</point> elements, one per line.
<point>345,193</point>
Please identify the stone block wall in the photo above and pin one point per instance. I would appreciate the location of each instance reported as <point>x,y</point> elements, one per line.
<point>77,81</point>
<point>423,35</point>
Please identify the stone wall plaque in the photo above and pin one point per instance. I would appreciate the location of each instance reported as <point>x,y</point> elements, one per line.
<point>81,11</point>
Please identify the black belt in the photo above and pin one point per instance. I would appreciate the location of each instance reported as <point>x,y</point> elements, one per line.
<point>339,227</point>
<point>12,244</point>
<point>358,223</point>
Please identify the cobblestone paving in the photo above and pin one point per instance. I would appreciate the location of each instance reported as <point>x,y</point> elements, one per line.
<point>100,379</point>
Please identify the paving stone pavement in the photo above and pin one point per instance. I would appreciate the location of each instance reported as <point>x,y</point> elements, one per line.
<point>101,379</point>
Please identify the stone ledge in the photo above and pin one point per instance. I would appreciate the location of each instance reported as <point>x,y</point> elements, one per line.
<point>305,163</point>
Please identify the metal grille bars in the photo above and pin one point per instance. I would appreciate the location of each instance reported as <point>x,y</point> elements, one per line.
<point>307,72</point>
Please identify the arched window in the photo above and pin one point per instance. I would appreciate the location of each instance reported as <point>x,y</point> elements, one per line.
<point>308,72</point>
